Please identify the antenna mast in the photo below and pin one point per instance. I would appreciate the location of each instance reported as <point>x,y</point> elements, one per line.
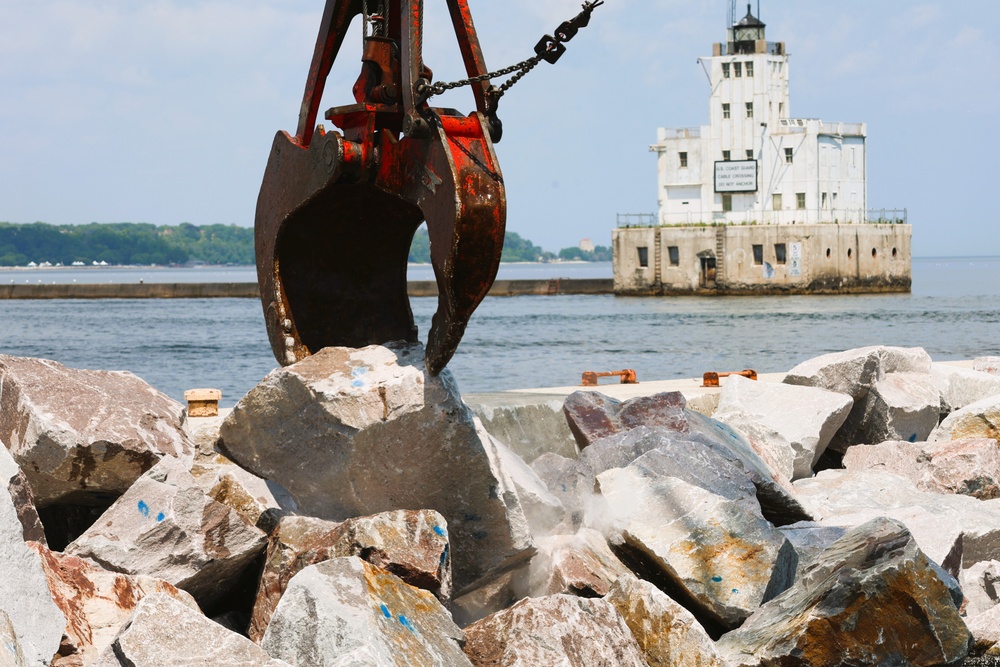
<point>732,14</point>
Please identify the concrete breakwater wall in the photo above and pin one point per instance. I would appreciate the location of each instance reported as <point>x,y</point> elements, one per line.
<point>249,290</point>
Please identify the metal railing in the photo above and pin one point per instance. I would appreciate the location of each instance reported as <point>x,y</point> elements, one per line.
<point>637,220</point>
<point>888,216</point>
<point>883,216</point>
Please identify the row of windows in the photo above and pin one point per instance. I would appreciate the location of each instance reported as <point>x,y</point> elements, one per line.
<point>728,155</point>
<point>727,112</point>
<point>780,254</point>
<point>777,201</point>
<point>736,69</point>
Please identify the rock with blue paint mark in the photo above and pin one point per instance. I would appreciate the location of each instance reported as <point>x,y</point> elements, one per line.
<point>16,484</point>
<point>561,630</point>
<point>901,406</point>
<point>163,632</point>
<point>11,654</point>
<point>412,544</point>
<point>871,598</point>
<point>346,444</point>
<point>719,554</point>
<point>346,611</point>
<point>667,633</point>
<point>165,526</point>
<point>791,426</point>
<point>77,432</point>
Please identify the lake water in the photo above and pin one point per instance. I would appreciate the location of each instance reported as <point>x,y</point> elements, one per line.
<point>515,342</point>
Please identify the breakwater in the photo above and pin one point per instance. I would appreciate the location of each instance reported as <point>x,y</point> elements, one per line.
<point>416,288</point>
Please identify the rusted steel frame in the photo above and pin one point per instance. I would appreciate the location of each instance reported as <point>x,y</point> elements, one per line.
<point>472,53</point>
<point>711,378</point>
<point>337,17</point>
<point>626,376</point>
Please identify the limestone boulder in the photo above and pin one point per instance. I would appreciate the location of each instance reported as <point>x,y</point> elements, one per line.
<point>980,584</point>
<point>978,420</point>
<point>870,599</point>
<point>581,564</point>
<point>412,544</point>
<point>810,539</point>
<point>989,365</point>
<point>559,630</point>
<point>721,558</point>
<point>354,432</point>
<point>959,386</point>
<point>530,424</point>
<point>985,630</point>
<point>592,415</point>
<point>166,527</point>
<point>346,611</point>
<point>78,432</point>
<point>667,633</point>
<point>970,466</point>
<point>902,406</point>
<point>794,424</point>
<point>496,594</point>
<point>571,483</point>
<point>259,502</point>
<point>16,485</point>
<point>164,632</point>
<point>95,602</point>
<point>11,654</point>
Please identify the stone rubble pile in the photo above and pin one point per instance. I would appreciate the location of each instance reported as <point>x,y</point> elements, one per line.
<point>353,510</point>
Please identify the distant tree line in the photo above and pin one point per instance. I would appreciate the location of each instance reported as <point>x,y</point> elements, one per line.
<point>515,249</point>
<point>124,243</point>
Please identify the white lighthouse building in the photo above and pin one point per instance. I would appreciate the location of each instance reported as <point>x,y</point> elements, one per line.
<point>759,200</point>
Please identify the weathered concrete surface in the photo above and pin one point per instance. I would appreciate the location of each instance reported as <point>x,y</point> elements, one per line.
<point>977,420</point>
<point>870,599</point>
<point>346,611</point>
<point>559,630</point>
<point>530,424</point>
<point>165,526</point>
<point>960,386</point>
<point>979,585</point>
<point>163,632</point>
<point>989,365</point>
<point>970,466</point>
<point>16,484</point>
<point>76,431</point>
<point>24,593</point>
<point>794,424</point>
<point>356,432</point>
<point>667,633</point>
<point>413,545</point>
<point>901,406</point>
<point>581,564</point>
<point>722,559</point>
<point>95,602</point>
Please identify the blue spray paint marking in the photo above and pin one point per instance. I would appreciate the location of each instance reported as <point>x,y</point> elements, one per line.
<point>444,556</point>
<point>440,531</point>
<point>405,622</point>
<point>736,590</point>
<point>385,612</point>
<point>160,517</point>
<point>564,488</point>
<point>913,438</point>
<point>358,374</point>
<point>11,648</point>
<point>143,508</point>
<point>716,579</point>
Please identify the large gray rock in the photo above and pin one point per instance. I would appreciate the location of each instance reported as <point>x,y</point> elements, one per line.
<point>855,372</point>
<point>722,557</point>
<point>356,432</point>
<point>489,597</point>
<point>871,599</point>
<point>960,386</point>
<point>571,483</point>
<point>667,633</point>
<point>793,423</point>
<point>559,630</point>
<point>985,629</point>
<point>412,544</point>
<point>163,632</point>
<point>346,611</point>
<point>955,531</point>
<point>11,654</point>
<point>84,432</point>
<point>979,584</point>
<point>530,424</point>
<point>581,564</point>
<point>970,466</point>
<point>165,526</point>
<point>16,484</point>
<point>96,603</point>
<point>259,502</point>
<point>24,593</point>
<point>901,406</point>
<point>977,420</point>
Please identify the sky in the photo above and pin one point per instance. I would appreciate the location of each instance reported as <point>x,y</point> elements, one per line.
<point>163,111</point>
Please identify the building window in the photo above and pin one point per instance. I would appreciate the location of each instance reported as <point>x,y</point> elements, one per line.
<point>800,201</point>
<point>824,201</point>
<point>781,109</point>
<point>643,256</point>
<point>749,109</point>
<point>789,155</point>
<point>675,256</point>
<point>780,255</point>
<point>776,203</point>
<point>684,159</point>
<point>725,111</point>
<point>726,156</point>
<point>749,154</point>
<point>750,69</point>
<point>727,203</point>
<point>725,70</point>
<point>737,70</point>
<point>758,254</point>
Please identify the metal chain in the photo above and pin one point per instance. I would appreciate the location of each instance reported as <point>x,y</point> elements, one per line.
<point>521,68</point>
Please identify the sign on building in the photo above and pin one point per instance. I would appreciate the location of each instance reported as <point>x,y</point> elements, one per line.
<point>738,176</point>
<point>795,259</point>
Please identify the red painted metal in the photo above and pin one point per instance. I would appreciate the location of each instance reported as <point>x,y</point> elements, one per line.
<point>337,210</point>
<point>626,376</point>
<point>711,378</point>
